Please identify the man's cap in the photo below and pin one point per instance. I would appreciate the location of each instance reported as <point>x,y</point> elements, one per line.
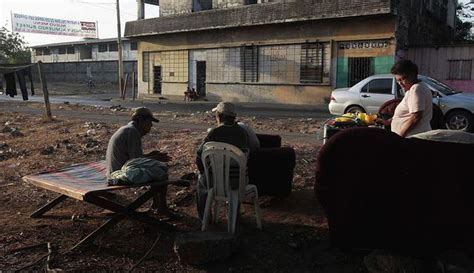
<point>143,112</point>
<point>225,108</point>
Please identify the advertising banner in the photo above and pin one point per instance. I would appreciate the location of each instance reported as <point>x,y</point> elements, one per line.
<point>43,25</point>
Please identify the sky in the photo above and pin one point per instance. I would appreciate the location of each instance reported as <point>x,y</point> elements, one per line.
<point>102,11</point>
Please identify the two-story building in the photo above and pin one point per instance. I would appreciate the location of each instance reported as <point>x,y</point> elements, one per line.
<point>291,51</point>
<point>71,61</point>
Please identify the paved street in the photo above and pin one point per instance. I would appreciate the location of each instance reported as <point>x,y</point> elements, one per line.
<point>318,112</point>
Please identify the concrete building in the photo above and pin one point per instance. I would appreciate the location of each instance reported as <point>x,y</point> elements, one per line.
<point>451,64</point>
<point>70,61</point>
<point>282,50</point>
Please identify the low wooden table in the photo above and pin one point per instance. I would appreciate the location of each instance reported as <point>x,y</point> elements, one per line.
<point>87,182</point>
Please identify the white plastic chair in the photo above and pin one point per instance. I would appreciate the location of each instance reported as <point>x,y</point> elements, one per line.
<point>216,158</point>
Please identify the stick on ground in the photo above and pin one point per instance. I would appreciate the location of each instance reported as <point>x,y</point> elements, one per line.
<point>146,254</point>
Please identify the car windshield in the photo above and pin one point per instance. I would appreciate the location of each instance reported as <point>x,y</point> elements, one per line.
<point>439,86</point>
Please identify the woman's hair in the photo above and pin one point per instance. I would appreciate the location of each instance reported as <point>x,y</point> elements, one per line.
<point>405,67</point>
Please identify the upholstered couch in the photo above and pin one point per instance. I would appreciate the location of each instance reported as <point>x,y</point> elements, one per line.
<point>271,166</point>
<point>379,190</point>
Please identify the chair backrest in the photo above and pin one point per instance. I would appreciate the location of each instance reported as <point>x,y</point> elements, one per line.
<point>222,164</point>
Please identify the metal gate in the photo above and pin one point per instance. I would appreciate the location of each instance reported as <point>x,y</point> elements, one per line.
<point>201,78</point>
<point>157,79</point>
<point>359,69</point>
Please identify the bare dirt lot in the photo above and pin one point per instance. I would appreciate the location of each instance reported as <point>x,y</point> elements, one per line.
<point>295,235</point>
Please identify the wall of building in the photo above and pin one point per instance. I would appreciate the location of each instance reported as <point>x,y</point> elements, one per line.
<point>127,54</point>
<point>175,7</point>
<point>76,72</point>
<point>424,23</point>
<point>435,62</point>
<point>272,40</point>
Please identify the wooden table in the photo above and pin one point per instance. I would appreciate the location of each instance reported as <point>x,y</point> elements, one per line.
<point>87,182</point>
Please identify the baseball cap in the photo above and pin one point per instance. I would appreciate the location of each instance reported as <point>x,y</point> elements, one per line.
<point>225,108</point>
<point>143,112</point>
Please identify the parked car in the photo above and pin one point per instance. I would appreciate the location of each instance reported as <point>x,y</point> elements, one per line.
<point>369,94</point>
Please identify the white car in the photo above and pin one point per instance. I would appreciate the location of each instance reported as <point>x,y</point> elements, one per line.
<point>369,94</point>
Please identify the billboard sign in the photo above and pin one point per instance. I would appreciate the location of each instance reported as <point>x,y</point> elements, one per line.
<point>44,25</point>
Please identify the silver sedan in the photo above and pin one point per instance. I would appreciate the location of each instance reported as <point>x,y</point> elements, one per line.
<point>369,94</point>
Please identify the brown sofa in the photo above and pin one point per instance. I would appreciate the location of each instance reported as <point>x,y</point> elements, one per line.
<point>271,167</point>
<point>379,190</point>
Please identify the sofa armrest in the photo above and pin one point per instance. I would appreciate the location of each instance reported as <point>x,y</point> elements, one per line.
<point>269,141</point>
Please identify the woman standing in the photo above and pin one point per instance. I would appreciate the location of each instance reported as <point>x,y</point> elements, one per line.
<point>414,113</point>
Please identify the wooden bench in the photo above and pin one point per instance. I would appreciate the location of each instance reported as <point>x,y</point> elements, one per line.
<point>87,182</point>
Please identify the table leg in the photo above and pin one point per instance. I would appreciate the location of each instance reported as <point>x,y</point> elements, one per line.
<point>39,212</point>
<point>122,212</point>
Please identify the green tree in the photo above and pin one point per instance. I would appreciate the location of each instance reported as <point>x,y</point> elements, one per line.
<point>465,13</point>
<point>13,48</point>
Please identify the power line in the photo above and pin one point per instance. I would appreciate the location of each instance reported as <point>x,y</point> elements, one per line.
<point>100,5</point>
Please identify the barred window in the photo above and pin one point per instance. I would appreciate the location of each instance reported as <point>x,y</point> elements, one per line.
<point>249,64</point>
<point>279,64</point>
<point>175,66</point>
<point>312,63</point>
<point>70,50</point>
<point>460,69</point>
<point>113,47</point>
<point>61,50</point>
<point>146,66</point>
<point>223,65</point>
<point>102,47</point>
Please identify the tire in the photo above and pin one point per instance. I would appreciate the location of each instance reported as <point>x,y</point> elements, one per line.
<point>460,120</point>
<point>354,109</point>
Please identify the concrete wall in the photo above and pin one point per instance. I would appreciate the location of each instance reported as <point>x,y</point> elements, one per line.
<point>222,4</point>
<point>424,23</point>
<point>434,62</point>
<point>127,54</point>
<point>269,93</point>
<point>175,7</point>
<point>259,14</point>
<point>76,72</point>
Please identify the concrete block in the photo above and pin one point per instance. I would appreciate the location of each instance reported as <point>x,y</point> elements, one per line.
<point>203,247</point>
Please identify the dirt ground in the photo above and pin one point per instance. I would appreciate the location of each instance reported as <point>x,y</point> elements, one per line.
<point>295,235</point>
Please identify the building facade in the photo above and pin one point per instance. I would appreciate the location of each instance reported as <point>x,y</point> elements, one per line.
<point>73,61</point>
<point>278,51</point>
<point>451,64</point>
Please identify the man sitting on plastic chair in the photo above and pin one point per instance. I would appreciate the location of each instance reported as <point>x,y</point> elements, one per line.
<point>224,165</point>
<point>227,131</point>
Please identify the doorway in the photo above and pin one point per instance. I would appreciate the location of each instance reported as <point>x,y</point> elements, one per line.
<point>157,79</point>
<point>201,78</point>
<point>359,69</point>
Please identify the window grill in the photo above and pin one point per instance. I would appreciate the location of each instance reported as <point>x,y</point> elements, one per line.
<point>175,66</point>
<point>113,47</point>
<point>102,47</point>
<point>460,69</point>
<point>70,50</point>
<point>146,66</point>
<point>359,69</point>
<point>249,64</point>
<point>312,63</point>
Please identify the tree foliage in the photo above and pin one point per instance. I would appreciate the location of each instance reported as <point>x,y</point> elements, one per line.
<point>465,13</point>
<point>13,48</point>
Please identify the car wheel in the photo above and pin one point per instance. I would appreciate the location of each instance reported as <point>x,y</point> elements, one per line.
<point>459,120</point>
<point>354,110</point>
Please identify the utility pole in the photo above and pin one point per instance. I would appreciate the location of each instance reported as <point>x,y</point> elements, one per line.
<point>120,61</point>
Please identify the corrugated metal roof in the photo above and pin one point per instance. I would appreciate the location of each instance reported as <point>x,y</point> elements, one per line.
<point>82,42</point>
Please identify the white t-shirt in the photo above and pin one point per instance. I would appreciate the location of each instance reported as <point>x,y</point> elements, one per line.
<point>417,99</point>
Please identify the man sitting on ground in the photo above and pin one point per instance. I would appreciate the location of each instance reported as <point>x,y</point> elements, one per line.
<point>126,144</point>
<point>227,131</point>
